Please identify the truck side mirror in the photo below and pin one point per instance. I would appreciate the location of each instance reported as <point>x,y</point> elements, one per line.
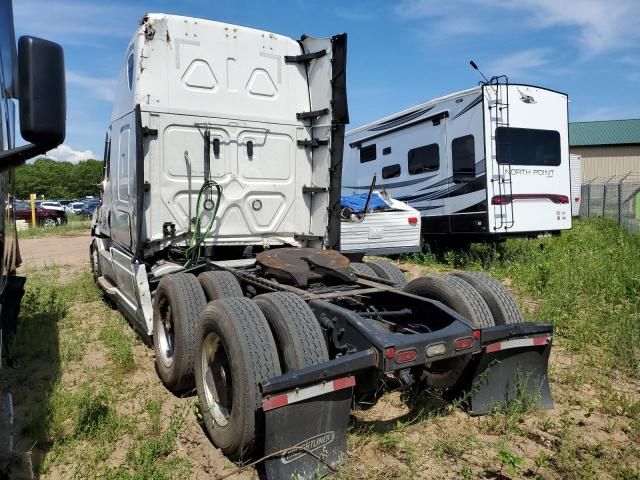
<point>42,99</point>
<point>41,91</point>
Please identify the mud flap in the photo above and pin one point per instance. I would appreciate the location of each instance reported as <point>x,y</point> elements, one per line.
<point>309,427</point>
<point>510,370</point>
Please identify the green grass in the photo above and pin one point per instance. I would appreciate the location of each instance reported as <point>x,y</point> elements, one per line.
<point>73,226</point>
<point>118,345</point>
<point>79,408</point>
<point>586,281</point>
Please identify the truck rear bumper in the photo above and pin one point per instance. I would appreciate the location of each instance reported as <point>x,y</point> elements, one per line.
<point>307,411</point>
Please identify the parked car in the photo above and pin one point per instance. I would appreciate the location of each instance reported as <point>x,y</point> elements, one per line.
<point>76,207</point>
<point>53,205</point>
<point>46,218</point>
<point>89,207</point>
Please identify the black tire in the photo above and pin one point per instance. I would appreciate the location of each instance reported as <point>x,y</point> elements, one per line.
<point>297,333</point>
<point>503,306</point>
<point>217,285</point>
<point>94,261</point>
<point>249,356</point>
<point>456,294</point>
<point>388,271</point>
<point>179,302</point>
<point>362,269</point>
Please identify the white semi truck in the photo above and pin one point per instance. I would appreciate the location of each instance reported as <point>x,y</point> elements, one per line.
<point>218,238</point>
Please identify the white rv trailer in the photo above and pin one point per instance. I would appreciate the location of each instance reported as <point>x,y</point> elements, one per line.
<point>490,161</point>
<point>575,162</point>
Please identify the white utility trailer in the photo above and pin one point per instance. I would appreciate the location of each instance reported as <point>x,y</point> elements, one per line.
<point>391,229</point>
<point>218,238</point>
<point>488,162</point>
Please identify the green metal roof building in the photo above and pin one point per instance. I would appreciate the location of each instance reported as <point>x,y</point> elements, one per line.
<point>607,148</point>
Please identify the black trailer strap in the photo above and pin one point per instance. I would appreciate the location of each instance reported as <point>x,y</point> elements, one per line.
<point>149,132</point>
<point>306,189</point>
<point>313,143</point>
<point>303,236</point>
<point>312,115</point>
<point>341,366</point>
<point>305,57</point>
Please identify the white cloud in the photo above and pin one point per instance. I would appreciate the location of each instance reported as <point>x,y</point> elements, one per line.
<point>64,153</point>
<point>76,22</point>
<point>603,25</point>
<point>599,26</point>
<point>102,88</point>
<point>520,64</point>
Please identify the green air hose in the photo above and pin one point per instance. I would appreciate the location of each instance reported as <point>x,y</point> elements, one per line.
<point>192,253</point>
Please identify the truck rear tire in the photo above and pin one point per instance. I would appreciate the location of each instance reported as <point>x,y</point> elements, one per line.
<point>297,333</point>
<point>456,294</point>
<point>462,298</point>
<point>388,271</point>
<point>236,353</point>
<point>362,269</point>
<point>220,284</point>
<point>178,303</point>
<point>503,306</point>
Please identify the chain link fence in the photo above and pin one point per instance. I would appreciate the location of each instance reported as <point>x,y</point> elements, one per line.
<point>617,197</point>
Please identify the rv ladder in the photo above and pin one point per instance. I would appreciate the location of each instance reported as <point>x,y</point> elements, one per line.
<point>502,212</point>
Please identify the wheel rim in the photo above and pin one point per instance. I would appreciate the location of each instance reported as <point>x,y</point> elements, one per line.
<point>49,223</point>
<point>216,379</point>
<point>166,336</point>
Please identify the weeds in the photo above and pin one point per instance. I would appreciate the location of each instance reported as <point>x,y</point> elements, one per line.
<point>118,346</point>
<point>73,226</point>
<point>587,281</point>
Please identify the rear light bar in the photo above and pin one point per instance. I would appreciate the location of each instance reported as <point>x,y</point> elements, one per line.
<point>507,199</point>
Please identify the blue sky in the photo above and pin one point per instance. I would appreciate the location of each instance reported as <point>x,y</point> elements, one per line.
<point>400,53</point>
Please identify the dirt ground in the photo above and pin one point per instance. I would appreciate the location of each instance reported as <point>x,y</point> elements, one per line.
<point>593,432</point>
<point>68,250</point>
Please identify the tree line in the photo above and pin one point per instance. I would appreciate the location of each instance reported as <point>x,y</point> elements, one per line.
<point>59,180</point>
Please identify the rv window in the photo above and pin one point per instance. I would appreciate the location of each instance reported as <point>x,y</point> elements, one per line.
<point>368,153</point>
<point>391,171</point>
<point>463,156</point>
<point>525,146</point>
<point>424,159</point>
<point>130,71</point>
<point>386,150</point>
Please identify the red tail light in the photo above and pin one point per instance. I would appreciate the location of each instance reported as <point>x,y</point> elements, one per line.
<point>507,199</point>
<point>463,343</point>
<point>405,356</point>
<point>390,353</point>
<point>501,200</point>
<point>413,220</point>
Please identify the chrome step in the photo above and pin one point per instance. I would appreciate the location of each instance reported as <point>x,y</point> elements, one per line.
<point>107,286</point>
